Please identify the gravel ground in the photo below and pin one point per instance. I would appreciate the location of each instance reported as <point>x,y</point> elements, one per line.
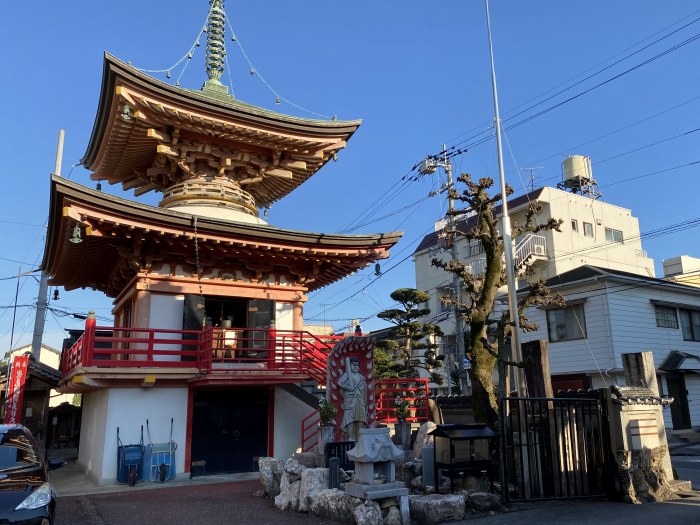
<point>217,503</point>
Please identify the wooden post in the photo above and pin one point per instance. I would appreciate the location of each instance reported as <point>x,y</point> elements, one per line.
<point>89,339</point>
<point>537,376</point>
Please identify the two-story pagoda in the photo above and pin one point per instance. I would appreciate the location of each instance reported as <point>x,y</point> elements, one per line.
<point>208,298</point>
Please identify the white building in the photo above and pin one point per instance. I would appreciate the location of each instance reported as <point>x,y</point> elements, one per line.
<point>615,304</point>
<point>609,313</point>
<point>593,232</point>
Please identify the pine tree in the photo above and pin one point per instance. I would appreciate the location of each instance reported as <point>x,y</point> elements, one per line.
<point>413,345</point>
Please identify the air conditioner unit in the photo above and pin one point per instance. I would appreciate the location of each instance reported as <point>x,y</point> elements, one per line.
<point>539,250</point>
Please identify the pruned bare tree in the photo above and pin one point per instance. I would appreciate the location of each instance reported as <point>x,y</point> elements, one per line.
<point>482,289</point>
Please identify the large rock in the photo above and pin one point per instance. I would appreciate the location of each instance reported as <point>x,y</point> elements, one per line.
<point>368,513</point>
<point>643,475</point>
<point>483,502</point>
<point>436,508</point>
<point>288,498</point>
<point>313,480</point>
<point>334,504</point>
<point>393,516</point>
<point>310,459</point>
<point>423,439</point>
<point>270,474</point>
<point>293,468</point>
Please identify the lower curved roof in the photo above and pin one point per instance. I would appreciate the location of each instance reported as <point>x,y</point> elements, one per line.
<point>120,238</point>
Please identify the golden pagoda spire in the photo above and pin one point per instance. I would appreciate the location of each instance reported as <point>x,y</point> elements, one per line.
<point>216,49</point>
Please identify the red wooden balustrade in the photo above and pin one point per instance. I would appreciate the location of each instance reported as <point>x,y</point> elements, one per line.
<point>414,390</point>
<point>291,352</point>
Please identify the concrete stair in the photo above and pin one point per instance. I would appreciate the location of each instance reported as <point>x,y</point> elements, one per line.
<point>688,436</point>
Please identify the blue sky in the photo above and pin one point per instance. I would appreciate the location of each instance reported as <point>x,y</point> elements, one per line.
<point>415,72</point>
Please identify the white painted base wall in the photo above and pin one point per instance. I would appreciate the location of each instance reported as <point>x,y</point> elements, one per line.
<point>128,409</point>
<point>289,412</point>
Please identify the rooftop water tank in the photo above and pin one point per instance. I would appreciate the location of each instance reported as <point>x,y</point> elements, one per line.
<point>578,167</point>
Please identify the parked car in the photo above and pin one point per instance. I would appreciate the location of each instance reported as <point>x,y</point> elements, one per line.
<point>26,495</point>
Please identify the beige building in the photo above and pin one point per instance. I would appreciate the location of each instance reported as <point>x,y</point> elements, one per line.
<point>593,232</point>
<point>50,357</point>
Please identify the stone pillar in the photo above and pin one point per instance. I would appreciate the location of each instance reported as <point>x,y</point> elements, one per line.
<point>640,372</point>
<point>428,456</point>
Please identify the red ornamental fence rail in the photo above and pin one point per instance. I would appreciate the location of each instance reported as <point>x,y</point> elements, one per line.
<point>290,352</point>
<point>413,391</point>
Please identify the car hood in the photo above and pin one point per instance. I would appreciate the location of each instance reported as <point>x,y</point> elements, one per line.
<point>15,487</point>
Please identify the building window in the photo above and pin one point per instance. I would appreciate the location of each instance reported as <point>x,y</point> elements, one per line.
<point>588,229</point>
<point>690,324</point>
<point>475,248</point>
<point>574,225</point>
<point>566,324</point>
<point>613,235</point>
<point>666,317</point>
<point>446,293</point>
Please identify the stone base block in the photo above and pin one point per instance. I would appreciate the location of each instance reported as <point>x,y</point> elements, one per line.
<point>310,459</point>
<point>385,490</point>
<point>681,487</point>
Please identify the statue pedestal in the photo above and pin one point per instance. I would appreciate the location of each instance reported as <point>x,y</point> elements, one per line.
<point>325,435</point>
<point>403,431</point>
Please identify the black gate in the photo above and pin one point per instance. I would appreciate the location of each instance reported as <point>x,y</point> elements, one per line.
<point>556,447</point>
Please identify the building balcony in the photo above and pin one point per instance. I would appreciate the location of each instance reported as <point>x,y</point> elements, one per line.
<point>106,357</point>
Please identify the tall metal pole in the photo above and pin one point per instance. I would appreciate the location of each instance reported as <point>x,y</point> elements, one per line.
<point>14,312</point>
<point>41,302</point>
<point>507,240</point>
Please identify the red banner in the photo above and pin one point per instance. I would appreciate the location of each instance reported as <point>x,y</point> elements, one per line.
<point>15,390</point>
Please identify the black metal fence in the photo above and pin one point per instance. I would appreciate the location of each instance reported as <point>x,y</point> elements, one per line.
<point>555,447</point>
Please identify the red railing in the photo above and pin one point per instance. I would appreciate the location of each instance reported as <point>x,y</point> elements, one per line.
<point>309,431</point>
<point>414,391</point>
<point>211,350</point>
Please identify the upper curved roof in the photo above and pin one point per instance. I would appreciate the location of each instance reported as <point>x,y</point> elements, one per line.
<point>136,112</point>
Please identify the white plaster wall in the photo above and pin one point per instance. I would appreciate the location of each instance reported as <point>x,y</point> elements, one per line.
<point>284,316</point>
<point>166,313</point>
<point>128,409</point>
<point>289,411</point>
<point>92,434</point>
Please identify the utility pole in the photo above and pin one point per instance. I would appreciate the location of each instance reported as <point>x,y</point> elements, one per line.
<point>41,302</point>
<point>428,166</point>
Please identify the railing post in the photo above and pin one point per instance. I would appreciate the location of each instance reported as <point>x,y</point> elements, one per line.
<point>89,338</point>
<point>150,350</point>
<point>272,344</point>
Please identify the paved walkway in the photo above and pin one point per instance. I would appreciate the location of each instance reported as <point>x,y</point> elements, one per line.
<point>70,481</point>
